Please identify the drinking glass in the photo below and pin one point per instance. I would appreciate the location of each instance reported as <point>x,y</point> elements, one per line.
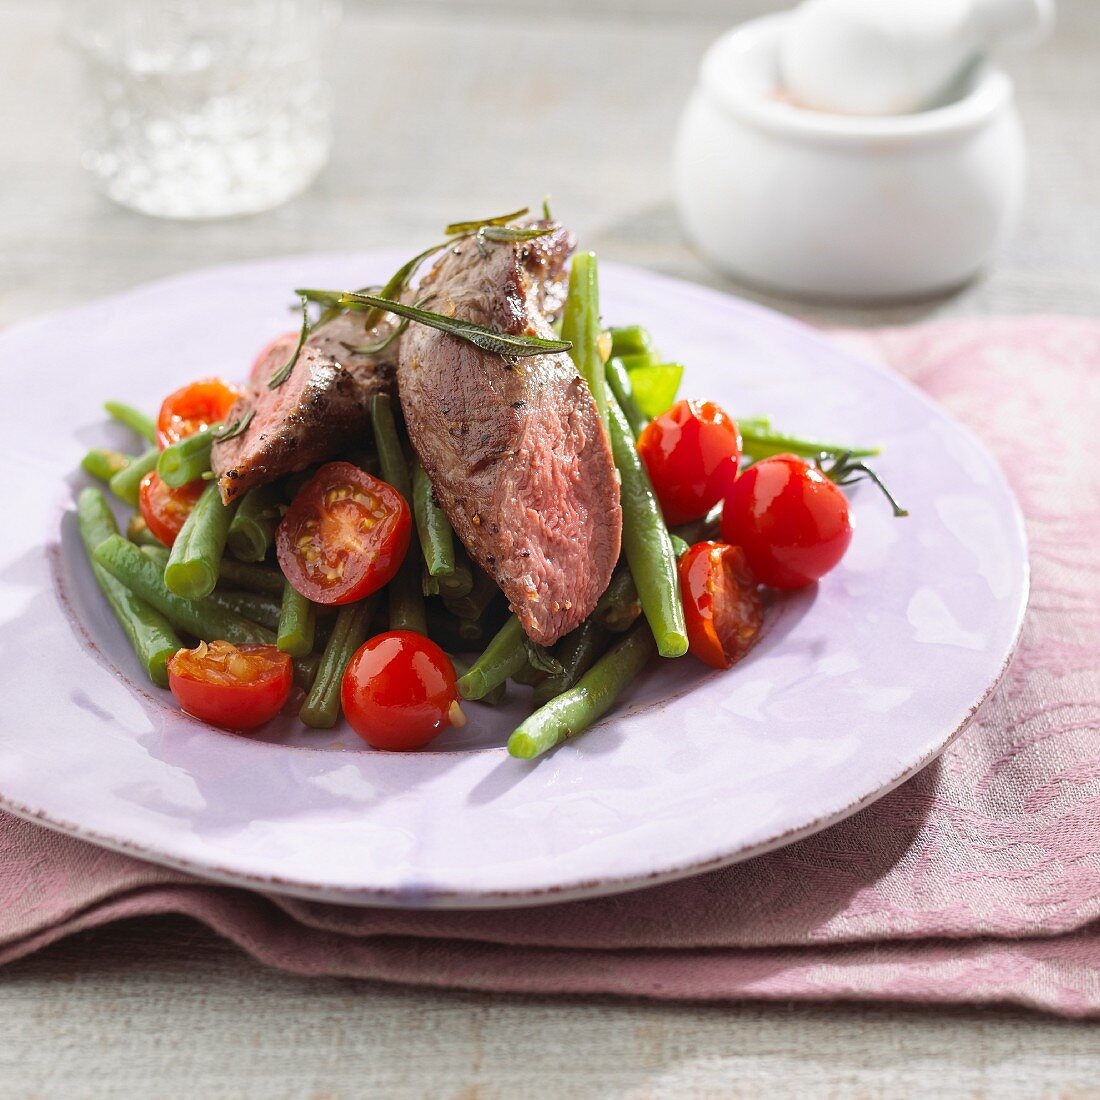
<point>204,108</point>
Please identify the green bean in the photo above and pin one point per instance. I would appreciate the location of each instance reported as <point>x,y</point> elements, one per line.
<point>126,483</point>
<point>630,340</point>
<point>297,623</point>
<point>646,543</point>
<point>495,697</point>
<point>141,574</point>
<point>429,585</point>
<point>680,546</point>
<point>134,419</point>
<point>578,708</point>
<point>577,652</point>
<point>473,605</point>
<point>581,325</point>
<point>251,576</point>
<point>186,460</point>
<point>103,464</point>
<point>763,443</point>
<point>618,608</point>
<point>529,676</point>
<point>452,633</point>
<point>457,584</point>
<point>322,705</point>
<point>159,554</point>
<point>432,526</point>
<point>754,423</point>
<point>150,634</point>
<point>305,670</point>
<point>252,529</point>
<point>194,563</point>
<point>619,381</point>
<point>256,606</point>
<point>504,656</point>
<point>137,530</point>
<point>406,600</point>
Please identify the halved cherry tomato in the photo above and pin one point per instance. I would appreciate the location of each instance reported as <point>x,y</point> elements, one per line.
<point>194,407</point>
<point>234,687</point>
<point>288,338</point>
<point>344,535</point>
<point>691,453</point>
<point>721,605</point>
<point>792,521</point>
<point>399,692</point>
<point>165,509</point>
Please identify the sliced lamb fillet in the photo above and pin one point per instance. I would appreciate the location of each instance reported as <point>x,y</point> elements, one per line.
<point>322,408</point>
<point>516,453</point>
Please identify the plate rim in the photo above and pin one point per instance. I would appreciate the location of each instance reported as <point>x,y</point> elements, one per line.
<point>442,899</point>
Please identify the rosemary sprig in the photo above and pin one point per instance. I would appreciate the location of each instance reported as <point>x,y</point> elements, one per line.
<point>399,282</point>
<point>546,209</point>
<point>481,336</point>
<point>464,229</point>
<point>283,373</point>
<point>221,432</point>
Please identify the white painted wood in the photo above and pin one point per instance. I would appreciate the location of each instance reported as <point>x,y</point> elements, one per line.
<point>450,109</point>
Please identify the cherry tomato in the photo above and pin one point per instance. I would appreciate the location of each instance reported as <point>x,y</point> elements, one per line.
<point>399,692</point>
<point>194,407</point>
<point>791,520</point>
<point>234,687</point>
<point>163,508</point>
<point>288,338</point>
<point>344,535</point>
<point>721,604</point>
<point>691,453</point>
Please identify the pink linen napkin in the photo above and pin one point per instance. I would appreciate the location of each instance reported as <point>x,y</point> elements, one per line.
<point>976,881</point>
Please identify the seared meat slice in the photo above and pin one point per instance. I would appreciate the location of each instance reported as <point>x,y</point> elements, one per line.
<point>516,453</point>
<point>321,409</point>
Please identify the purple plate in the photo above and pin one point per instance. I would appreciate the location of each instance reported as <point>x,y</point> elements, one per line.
<point>855,685</point>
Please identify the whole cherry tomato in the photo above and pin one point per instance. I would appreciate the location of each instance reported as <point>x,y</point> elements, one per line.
<point>793,523</point>
<point>691,453</point>
<point>344,535</point>
<point>194,407</point>
<point>165,509</point>
<point>399,692</point>
<point>234,687</point>
<point>721,604</point>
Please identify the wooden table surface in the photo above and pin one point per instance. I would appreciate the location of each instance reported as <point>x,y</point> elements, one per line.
<point>450,109</point>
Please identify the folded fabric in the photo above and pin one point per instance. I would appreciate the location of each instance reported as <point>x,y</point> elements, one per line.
<point>976,881</point>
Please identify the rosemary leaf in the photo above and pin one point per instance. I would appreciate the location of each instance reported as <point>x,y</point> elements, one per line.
<point>222,432</point>
<point>481,336</point>
<point>379,345</point>
<point>514,233</point>
<point>463,229</point>
<point>399,280</point>
<point>283,373</point>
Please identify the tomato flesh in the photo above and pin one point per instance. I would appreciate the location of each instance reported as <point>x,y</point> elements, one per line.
<point>691,453</point>
<point>234,687</point>
<point>399,691</point>
<point>194,407</point>
<point>793,523</point>
<point>721,604</point>
<point>165,509</point>
<point>344,535</point>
